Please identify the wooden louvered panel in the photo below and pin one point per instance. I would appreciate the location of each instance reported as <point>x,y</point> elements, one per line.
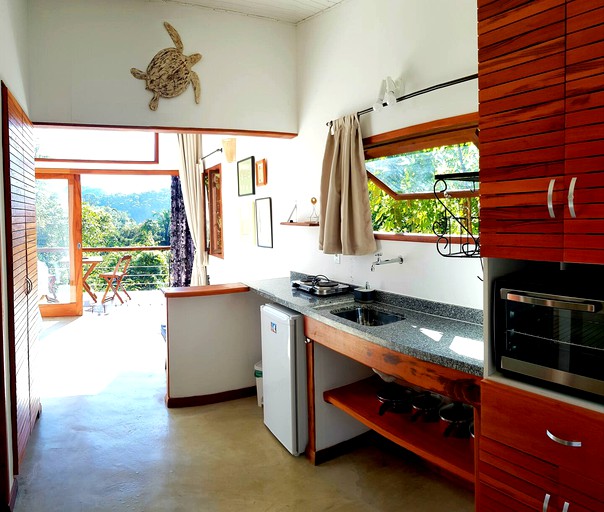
<point>515,132</point>
<point>560,130</point>
<point>546,25</point>
<point>585,19</point>
<point>527,58</point>
<point>19,189</point>
<point>543,94</point>
<point>528,67</point>
<point>584,150</point>
<point>517,87</point>
<point>521,14</point>
<point>540,140</point>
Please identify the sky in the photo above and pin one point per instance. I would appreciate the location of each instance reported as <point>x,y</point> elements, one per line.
<point>89,144</point>
<point>125,184</point>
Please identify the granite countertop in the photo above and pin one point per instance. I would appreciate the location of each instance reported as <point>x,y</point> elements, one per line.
<point>450,336</point>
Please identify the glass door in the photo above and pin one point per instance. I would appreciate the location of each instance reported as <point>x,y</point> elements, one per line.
<point>59,232</point>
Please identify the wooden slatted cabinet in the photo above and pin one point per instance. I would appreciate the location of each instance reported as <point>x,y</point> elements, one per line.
<point>523,461</point>
<point>22,305</point>
<point>541,81</point>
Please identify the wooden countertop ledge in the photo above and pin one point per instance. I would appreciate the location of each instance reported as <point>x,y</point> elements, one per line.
<point>202,291</point>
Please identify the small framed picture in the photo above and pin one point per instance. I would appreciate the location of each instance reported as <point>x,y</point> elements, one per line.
<point>264,222</point>
<point>245,176</point>
<point>261,172</point>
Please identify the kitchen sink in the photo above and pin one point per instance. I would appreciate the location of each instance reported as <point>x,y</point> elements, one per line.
<point>367,315</point>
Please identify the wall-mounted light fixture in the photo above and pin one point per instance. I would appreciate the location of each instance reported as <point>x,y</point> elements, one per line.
<point>390,96</point>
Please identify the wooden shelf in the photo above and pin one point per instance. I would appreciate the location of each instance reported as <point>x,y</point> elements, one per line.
<point>299,223</point>
<point>359,400</point>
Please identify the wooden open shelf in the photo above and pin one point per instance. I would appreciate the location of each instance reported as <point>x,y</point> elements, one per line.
<point>424,439</point>
<point>299,223</point>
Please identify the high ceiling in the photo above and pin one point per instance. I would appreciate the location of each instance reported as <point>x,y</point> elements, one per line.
<point>288,11</point>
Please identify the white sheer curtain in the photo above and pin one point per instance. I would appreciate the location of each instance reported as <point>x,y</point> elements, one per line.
<point>345,220</point>
<point>191,181</point>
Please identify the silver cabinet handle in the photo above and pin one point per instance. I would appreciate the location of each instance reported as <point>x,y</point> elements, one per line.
<point>550,198</point>
<point>571,198</point>
<point>566,506</point>
<point>563,442</point>
<point>546,502</point>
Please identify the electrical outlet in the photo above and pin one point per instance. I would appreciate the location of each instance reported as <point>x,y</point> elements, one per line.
<point>336,259</point>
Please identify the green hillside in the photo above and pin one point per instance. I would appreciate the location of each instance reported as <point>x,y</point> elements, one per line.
<point>139,206</point>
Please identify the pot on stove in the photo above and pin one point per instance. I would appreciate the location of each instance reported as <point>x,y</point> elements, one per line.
<point>456,419</point>
<point>395,398</point>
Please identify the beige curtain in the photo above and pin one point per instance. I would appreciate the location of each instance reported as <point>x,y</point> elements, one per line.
<point>345,219</point>
<point>191,181</point>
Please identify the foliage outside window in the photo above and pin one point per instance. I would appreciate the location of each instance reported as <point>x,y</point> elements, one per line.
<point>402,177</point>
<point>137,219</point>
<point>108,220</point>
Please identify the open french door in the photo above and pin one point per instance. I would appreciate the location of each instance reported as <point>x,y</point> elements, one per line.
<point>59,233</point>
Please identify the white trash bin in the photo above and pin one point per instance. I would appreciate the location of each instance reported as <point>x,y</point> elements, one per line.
<point>258,375</point>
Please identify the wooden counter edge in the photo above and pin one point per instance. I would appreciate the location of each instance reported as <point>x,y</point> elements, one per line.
<point>203,291</point>
<point>449,382</point>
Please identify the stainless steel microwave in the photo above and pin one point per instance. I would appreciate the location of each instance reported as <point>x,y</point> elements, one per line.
<point>549,328</point>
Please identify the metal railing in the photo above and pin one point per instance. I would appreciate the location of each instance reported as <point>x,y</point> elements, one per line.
<point>149,268</point>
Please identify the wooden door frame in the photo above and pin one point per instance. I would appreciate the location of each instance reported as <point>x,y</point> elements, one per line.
<point>75,306</point>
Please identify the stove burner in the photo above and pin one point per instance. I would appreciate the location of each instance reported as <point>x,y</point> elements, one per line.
<point>320,285</point>
<point>326,284</point>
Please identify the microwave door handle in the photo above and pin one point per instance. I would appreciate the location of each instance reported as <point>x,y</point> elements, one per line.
<point>553,303</point>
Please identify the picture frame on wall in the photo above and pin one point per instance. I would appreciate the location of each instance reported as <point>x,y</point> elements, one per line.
<point>264,222</point>
<point>245,177</point>
<point>261,172</point>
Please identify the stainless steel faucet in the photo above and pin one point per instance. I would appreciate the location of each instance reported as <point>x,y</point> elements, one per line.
<point>379,261</point>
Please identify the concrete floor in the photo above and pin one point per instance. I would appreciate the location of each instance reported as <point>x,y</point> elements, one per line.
<point>106,442</point>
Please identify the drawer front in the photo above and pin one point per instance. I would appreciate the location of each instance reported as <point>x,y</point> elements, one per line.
<point>581,491</point>
<point>525,478</point>
<point>489,499</point>
<point>540,426</point>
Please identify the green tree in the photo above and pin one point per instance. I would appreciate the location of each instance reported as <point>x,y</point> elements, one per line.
<point>413,173</point>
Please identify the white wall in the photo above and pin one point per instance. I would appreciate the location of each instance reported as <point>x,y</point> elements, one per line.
<point>13,72</point>
<point>343,55</point>
<point>209,352</point>
<point>82,52</point>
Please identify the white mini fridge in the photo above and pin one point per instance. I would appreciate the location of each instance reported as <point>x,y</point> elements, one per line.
<point>284,376</point>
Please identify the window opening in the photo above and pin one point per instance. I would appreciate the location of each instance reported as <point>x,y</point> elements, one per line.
<point>128,214</point>
<point>402,168</point>
<point>89,145</point>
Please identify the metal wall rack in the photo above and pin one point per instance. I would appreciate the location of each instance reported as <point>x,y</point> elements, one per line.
<point>454,232</point>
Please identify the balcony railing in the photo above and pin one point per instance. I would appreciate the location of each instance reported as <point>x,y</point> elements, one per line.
<point>149,268</point>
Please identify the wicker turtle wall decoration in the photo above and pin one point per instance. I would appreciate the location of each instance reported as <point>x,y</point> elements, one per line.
<point>170,71</point>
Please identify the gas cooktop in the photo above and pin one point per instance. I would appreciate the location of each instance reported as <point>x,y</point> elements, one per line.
<point>320,285</point>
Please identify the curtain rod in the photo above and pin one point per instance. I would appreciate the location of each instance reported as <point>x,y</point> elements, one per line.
<point>209,154</point>
<point>420,92</point>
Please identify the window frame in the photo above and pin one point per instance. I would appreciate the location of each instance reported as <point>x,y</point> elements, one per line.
<point>442,132</point>
<point>154,160</point>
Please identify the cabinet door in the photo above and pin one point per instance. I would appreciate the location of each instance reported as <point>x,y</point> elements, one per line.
<point>539,426</point>
<point>521,93</point>
<point>584,150</point>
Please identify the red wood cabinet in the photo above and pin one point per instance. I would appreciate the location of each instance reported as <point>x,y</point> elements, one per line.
<point>541,82</point>
<point>22,298</point>
<point>521,467</point>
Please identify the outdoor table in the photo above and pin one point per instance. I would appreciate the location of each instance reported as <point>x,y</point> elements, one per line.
<point>92,262</point>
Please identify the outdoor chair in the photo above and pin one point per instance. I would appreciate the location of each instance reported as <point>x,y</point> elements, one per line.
<point>115,279</point>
